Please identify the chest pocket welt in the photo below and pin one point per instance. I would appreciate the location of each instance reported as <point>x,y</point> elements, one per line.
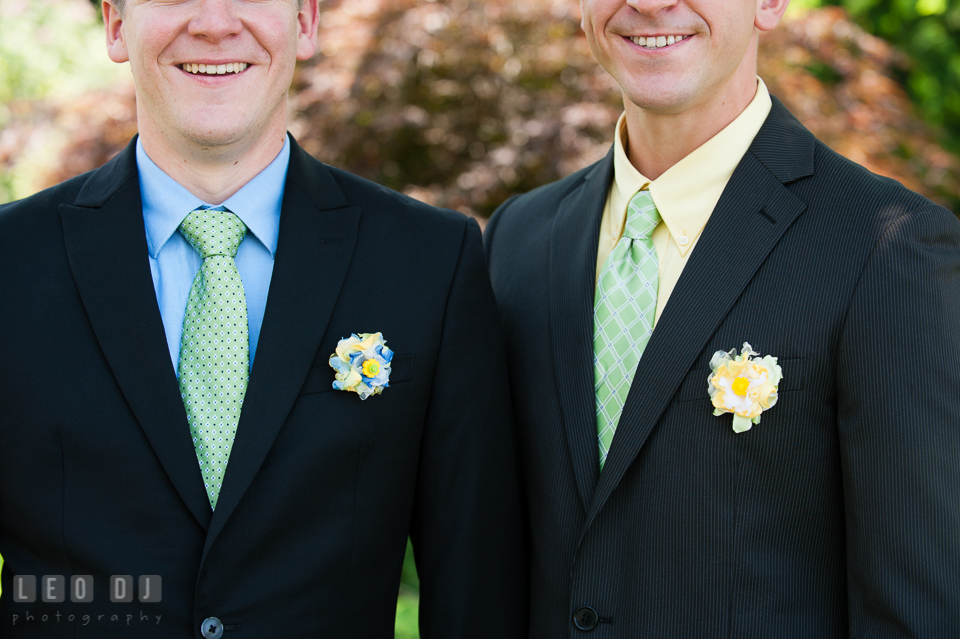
<point>695,386</point>
<point>320,378</point>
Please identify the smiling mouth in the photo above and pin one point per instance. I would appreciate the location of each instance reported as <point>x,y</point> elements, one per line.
<point>214,69</point>
<point>657,42</point>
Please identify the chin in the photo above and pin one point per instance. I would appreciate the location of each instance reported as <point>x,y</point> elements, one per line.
<point>212,138</point>
<point>657,103</point>
<point>666,102</point>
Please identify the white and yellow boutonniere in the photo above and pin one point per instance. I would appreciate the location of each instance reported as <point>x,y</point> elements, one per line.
<point>362,363</point>
<point>743,386</point>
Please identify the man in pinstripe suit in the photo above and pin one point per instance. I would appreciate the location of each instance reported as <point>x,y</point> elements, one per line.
<point>716,221</point>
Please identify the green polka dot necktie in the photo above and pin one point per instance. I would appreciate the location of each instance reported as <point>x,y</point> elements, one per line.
<point>625,307</point>
<point>214,347</point>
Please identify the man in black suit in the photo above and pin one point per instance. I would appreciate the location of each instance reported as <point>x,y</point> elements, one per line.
<point>682,483</point>
<point>298,522</point>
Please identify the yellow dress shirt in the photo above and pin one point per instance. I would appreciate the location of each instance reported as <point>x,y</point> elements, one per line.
<point>685,194</point>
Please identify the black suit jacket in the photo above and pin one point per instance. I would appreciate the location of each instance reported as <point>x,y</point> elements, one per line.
<point>839,514</point>
<point>98,475</point>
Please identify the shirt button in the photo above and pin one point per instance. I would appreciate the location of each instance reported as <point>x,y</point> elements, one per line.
<point>684,240</point>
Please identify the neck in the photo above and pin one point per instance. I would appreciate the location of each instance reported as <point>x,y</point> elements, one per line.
<point>212,173</point>
<point>657,141</point>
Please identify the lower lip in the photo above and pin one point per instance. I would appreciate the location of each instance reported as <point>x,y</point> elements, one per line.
<point>662,50</point>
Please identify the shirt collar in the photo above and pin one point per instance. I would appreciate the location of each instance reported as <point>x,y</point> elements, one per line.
<point>166,202</point>
<point>687,192</point>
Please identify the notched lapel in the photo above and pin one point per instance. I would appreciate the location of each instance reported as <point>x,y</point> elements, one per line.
<point>573,263</point>
<point>107,251</point>
<point>318,232</point>
<point>753,213</point>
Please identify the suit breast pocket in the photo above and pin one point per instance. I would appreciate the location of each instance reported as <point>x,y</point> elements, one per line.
<point>320,378</point>
<point>695,385</point>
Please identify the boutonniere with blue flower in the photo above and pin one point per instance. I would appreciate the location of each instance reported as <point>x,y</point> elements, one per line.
<point>362,364</point>
<point>743,386</point>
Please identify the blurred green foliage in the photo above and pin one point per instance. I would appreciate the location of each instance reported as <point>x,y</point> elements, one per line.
<point>928,31</point>
<point>408,603</point>
<point>48,49</point>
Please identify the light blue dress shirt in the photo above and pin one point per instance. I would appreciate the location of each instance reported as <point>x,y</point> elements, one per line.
<point>174,263</point>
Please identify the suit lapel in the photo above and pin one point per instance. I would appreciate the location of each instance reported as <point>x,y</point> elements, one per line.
<point>573,262</point>
<point>107,251</point>
<point>318,232</point>
<point>754,205</point>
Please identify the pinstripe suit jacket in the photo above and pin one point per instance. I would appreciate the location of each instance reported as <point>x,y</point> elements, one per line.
<point>839,514</point>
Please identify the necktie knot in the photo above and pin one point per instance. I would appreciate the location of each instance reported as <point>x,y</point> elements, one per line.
<point>642,216</point>
<point>213,232</point>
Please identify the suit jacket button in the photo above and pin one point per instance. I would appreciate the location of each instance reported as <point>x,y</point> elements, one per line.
<point>211,628</point>
<point>585,618</point>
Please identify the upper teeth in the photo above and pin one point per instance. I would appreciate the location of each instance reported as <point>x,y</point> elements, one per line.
<point>657,42</point>
<point>214,69</point>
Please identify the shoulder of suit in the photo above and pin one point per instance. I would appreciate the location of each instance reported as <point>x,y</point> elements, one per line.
<point>544,201</point>
<point>842,188</point>
<point>391,206</point>
<point>88,189</point>
<point>40,205</point>
<point>825,180</point>
<point>561,188</point>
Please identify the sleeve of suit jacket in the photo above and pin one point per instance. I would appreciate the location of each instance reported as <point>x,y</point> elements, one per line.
<point>898,396</point>
<point>469,552</point>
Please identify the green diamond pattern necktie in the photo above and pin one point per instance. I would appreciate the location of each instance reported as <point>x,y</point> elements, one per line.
<point>214,347</point>
<point>625,307</point>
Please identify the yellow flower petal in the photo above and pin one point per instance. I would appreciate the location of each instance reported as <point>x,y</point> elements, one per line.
<point>369,339</point>
<point>765,391</point>
<point>353,378</point>
<point>718,402</point>
<point>345,347</point>
<point>734,367</point>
